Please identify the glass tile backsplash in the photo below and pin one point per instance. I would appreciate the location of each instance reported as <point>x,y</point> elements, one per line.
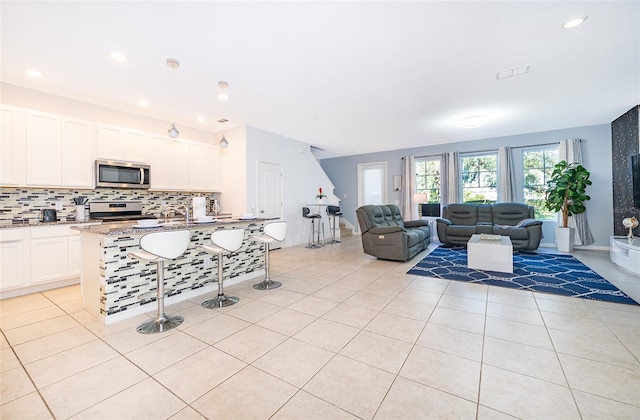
<point>20,205</point>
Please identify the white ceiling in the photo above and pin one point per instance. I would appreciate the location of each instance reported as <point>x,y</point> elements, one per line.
<point>346,77</point>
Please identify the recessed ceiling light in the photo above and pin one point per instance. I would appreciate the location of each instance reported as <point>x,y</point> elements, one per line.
<point>573,22</point>
<point>33,73</point>
<point>143,103</point>
<point>223,97</point>
<point>202,119</point>
<point>118,56</point>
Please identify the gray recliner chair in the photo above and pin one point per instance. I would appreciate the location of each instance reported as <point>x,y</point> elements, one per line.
<point>386,236</point>
<point>515,220</point>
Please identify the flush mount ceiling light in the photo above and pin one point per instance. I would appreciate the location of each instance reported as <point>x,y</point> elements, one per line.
<point>118,56</point>
<point>173,64</point>
<point>474,121</point>
<point>575,21</point>
<point>223,95</point>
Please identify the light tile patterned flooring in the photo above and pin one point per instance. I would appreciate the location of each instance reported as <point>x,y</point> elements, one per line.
<point>345,337</point>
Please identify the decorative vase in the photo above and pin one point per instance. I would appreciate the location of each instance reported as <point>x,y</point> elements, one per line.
<point>564,238</point>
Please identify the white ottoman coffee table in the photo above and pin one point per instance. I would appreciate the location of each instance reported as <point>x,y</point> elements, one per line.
<point>490,252</point>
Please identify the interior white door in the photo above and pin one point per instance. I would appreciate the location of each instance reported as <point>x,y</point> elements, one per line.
<point>269,190</point>
<point>372,183</point>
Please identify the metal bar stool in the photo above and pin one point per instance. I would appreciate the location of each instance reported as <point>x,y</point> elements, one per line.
<point>306,213</point>
<point>158,247</point>
<point>275,231</point>
<point>334,213</point>
<point>225,240</point>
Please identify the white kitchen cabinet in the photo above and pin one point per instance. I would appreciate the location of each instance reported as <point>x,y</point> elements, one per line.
<point>38,258</point>
<point>135,147</point>
<point>49,256</point>
<point>123,144</point>
<point>161,163</point>
<point>205,167</point>
<point>212,167</point>
<point>78,153</point>
<point>12,153</point>
<point>180,165</point>
<point>44,150</point>
<point>74,253</point>
<point>14,266</point>
<point>170,168</point>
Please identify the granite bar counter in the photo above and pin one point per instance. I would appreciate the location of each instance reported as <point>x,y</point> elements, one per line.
<point>116,287</point>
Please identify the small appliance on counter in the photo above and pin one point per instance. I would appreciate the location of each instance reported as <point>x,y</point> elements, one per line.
<point>49,215</point>
<point>117,211</point>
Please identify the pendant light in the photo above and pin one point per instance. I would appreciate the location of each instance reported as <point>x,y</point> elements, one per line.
<point>173,64</point>
<point>223,141</point>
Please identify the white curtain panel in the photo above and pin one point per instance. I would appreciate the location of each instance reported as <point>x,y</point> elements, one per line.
<point>506,182</point>
<point>444,179</point>
<point>409,209</point>
<point>571,151</point>
<point>454,178</point>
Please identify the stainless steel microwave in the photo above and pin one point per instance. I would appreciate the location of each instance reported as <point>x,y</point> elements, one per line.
<point>115,174</point>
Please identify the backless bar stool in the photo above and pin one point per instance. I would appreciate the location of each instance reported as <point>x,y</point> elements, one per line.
<point>226,240</point>
<point>306,213</point>
<point>334,213</point>
<point>158,247</point>
<point>275,231</point>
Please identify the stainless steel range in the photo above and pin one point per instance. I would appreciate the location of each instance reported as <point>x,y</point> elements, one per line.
<point>115,211</point>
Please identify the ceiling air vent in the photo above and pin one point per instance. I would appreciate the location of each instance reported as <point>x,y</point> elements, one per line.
<point>516,71</point>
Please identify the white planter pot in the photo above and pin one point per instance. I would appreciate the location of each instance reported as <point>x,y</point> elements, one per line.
<point>564,238</point>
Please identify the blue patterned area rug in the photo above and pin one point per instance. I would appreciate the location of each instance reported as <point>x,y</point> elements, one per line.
<point>536,272</point>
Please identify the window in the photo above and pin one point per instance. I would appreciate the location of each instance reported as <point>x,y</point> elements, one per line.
<point>478,178</point>
<point>428,178</point>
<point>538,166</point>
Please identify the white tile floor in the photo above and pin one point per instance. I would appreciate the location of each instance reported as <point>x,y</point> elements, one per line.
<point>345,337</point>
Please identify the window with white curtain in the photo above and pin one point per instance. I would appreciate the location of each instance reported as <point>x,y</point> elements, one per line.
<point>478,177</point>
<point>428,178</point>
<point>537,164</point>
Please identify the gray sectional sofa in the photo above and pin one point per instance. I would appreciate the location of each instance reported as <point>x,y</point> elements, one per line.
<point>386,236</point>
<point>515,220</point>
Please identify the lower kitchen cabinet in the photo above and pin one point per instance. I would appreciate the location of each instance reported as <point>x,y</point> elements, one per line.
<point>14,266</point>
<point>38,258</point>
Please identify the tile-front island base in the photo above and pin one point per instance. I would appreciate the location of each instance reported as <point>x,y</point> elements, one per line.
<point>116,287</point>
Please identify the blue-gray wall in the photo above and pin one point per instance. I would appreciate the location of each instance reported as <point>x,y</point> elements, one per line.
<point>596,148</point>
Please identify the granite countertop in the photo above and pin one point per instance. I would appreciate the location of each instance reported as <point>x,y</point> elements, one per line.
<point>10,224</point>
<point>129,228</point>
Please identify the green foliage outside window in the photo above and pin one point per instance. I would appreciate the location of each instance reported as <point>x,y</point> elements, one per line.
<point>428,179</point>
<point>538,167</point>
<point>479,178</point>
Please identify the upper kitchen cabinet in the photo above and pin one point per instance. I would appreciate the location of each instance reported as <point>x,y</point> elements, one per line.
<point>205,167</point>
<point>78,153</point>
<point>12,153</point>
<point>123,144</point>
<point>44,149</point>
<point>169,164</point>
<point>59,151</point>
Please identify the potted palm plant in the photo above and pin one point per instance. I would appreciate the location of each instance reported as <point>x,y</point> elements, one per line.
<point>566,193</point>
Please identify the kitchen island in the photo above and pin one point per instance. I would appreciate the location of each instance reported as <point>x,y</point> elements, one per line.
<point>116,286</point>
